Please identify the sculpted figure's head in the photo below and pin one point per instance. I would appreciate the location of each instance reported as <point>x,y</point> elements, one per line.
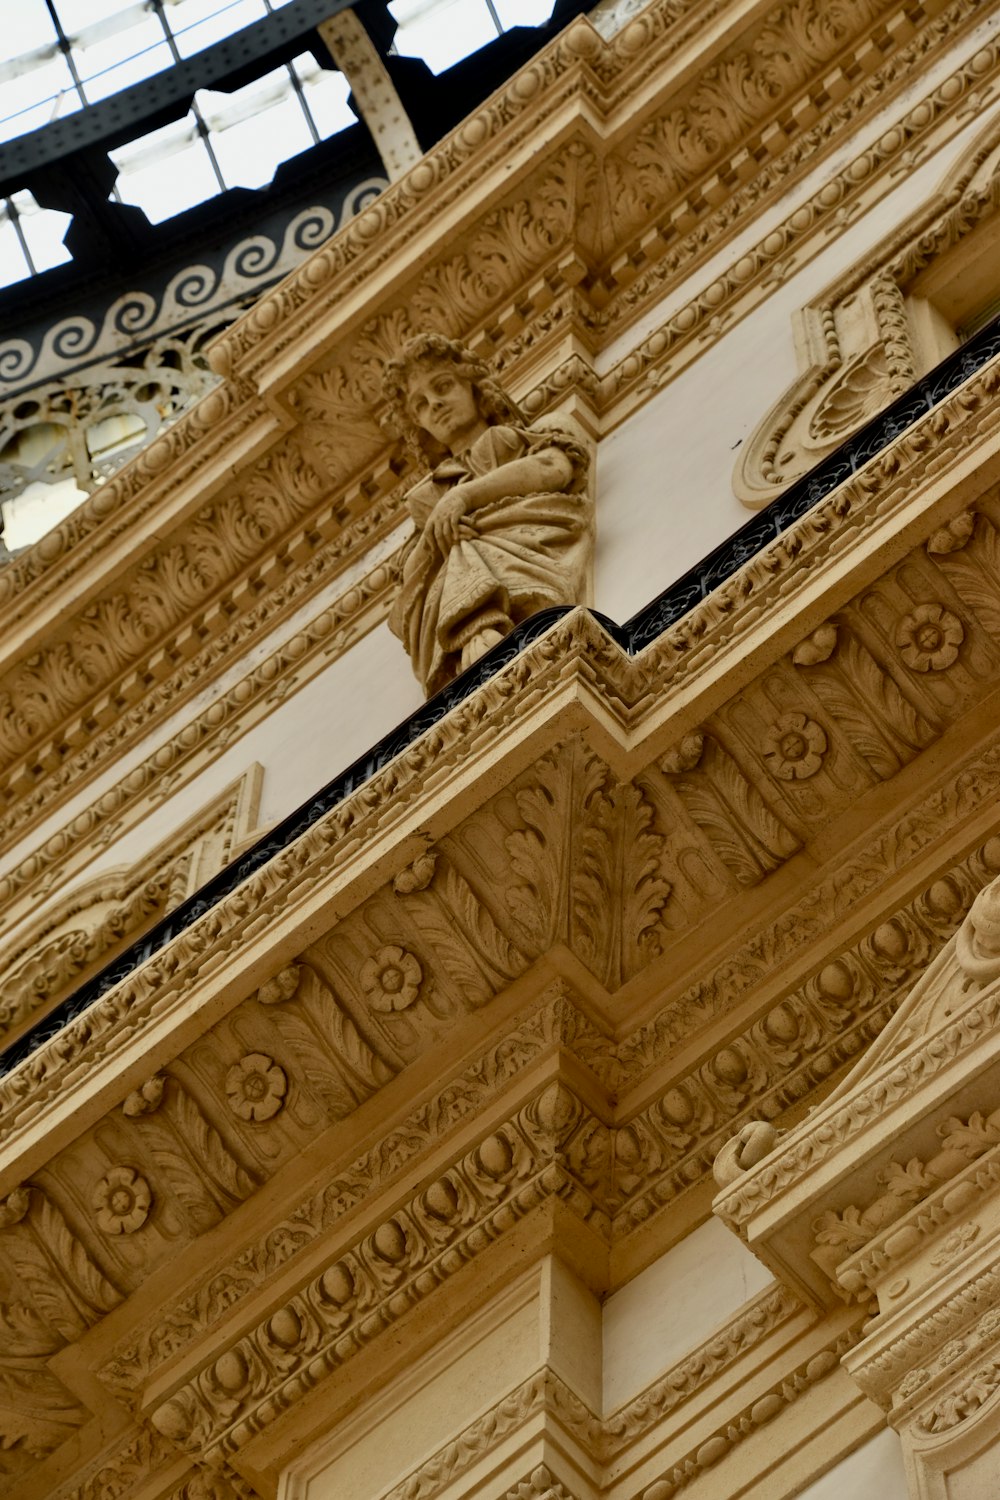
<point>441,397</point>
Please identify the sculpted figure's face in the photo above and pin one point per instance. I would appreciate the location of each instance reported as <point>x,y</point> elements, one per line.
<point>444,405</point>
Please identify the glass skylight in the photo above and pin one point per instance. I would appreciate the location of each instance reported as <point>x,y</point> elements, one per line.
<point>62,55</point>
<point>31,238</point>
<point>232,140</point>
<point>442,32</point>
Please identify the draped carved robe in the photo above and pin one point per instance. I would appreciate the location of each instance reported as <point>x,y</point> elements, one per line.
<point>526,552</point>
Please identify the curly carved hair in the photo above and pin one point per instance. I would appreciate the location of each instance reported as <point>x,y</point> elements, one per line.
<point>433,349</point>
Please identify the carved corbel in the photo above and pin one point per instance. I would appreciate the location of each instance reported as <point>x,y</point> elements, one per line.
<point>746,835</point>
<point>889,1193</point>
<point>881,724</point>
<point>857,360</point>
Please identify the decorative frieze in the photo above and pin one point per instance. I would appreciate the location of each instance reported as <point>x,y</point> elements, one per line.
<point>566,65</point>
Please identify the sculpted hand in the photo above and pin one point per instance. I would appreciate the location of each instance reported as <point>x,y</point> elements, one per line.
<point>448,521</point>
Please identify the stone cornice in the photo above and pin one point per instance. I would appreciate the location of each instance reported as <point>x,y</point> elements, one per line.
<point>757,614</point>
<point>210,441</point>
<point>717,618</point>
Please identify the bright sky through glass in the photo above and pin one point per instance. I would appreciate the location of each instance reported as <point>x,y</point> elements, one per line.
<point>442,32</point>
<point>98,47</point>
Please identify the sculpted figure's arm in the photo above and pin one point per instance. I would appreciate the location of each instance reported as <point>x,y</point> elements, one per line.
<point>548,469</point>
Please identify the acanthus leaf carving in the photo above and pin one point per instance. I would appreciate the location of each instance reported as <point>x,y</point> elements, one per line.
<point>746,835</point>
<point>190,1152</point>
<point>473,950</point>
<point>40,1242</point>
<point>882,725</point>
<point>169,585</point>
<point>589,861</point>
<point>974,573</point>
<point>538,853</point>
<point>335,1059</point>
<point>617,890</point>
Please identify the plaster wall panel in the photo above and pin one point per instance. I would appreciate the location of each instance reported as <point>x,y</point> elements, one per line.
<point>664,478</point>
<point>308,738</point>
<point>875,1469</point>
<point>673,1306</point>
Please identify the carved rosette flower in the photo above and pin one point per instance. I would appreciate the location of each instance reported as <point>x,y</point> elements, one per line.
<point>796,746</point>
<point>146,1099</point>
<point>256,1087</point>
<point>14,1207</point>
<point>122,1201</point>
<point>929,638</point>
<point>391,978</point>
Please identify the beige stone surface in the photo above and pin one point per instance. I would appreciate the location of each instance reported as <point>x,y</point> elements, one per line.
<point>672,1306</point>
<point>390,1176</point>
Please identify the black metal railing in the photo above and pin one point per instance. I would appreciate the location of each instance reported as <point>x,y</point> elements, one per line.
<point>633,636</point>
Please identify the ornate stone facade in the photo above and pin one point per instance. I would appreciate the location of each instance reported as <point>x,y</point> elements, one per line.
<point>377,1172</point>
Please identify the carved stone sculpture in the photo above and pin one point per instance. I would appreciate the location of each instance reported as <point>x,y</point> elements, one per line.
<point>503,522</point>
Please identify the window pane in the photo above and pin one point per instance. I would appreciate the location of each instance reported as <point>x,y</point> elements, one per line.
<point>26,25</point>
<point>98,48</point>
<point>44,93</point>
<point>43,229</point>
<point>196,25</point>
<point>37,509</point>
<point>105,80</point>
<point>442,32</point>
<point>255,129</point>
<point>325,93</point>
<point>76,14</point>
<point>13,266</point>
<point>166,171</point>
<point>524,12</point>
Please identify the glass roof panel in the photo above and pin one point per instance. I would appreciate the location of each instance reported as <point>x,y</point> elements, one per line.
<point>326,94</point>
<point>26,25</point>
<point>255,129</point>
<point>74,15</point>
<point>198,23</point>
<point>115,62</point>
<point>44,92</point>
<point>43,230</point>
<point>13,261</point>
<point>523,12</point>
<point>442,32</point>
<point>37,509</point>
<point>166,171</point>
<point>227,140</point>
